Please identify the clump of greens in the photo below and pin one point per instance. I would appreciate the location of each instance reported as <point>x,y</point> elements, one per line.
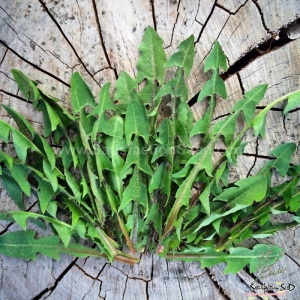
<point>125,172</point>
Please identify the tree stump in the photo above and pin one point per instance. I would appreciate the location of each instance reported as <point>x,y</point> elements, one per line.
<point>49,40</point>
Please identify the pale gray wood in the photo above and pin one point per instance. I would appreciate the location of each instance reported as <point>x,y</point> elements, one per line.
<point>276,14</point>
<point>49,40</point>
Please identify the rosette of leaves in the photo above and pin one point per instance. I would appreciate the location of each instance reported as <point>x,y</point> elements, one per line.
<point>125,171</point>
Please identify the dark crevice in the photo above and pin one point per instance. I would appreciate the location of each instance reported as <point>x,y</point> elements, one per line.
<point>172,34</point>
<point>102,39</point>
<point>262,16</point>
<point>180,290</point>
<point>12,223</point>
<point>220,117</point>
<point>59,278</point>
<point>216,285</point>
<point>240,82</point>
<point>224,8</point>
<point>272,109</point>
<point>153,14</point>
<point>6,75</point>
<point>230,12</point>
<point>86,274</point>
<point>130,277</point>
<point>151,278</point>
<point>147,291</point>
<point>206,21</point>
<point>65,37</point>
<point>106,68</point>
<point>3,56</point>
<point>216,40</point>
<point>255,157</point>
<point>33,65</point>
<point>100,272</point>
<point>283,122</point>
<point>15,96</point>
<point>193,100</point>
<point>197,14</point>
<point>264,48</point>
<point>125,288</point>
<point>290,257</point>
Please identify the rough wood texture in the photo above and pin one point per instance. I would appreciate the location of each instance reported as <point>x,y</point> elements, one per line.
<point>48,40</point>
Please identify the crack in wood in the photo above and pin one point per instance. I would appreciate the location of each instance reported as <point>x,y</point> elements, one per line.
<point>196,276</point>
<point>206,21</point>
<point>103,69</point>
<point>3,58</point>
<point>7,14</point>
<point>13,31</point>
<point>232,32</point>
<point>220,117</point>
<point>88,291</point>
<point>173,29</point>
<point>54,285</point>
<point>65,37</point>
<point>153,14</point>
<point>87,274</point>
<point>262,16</point>
<point>2,274</point>
<point>255,157</point>
<point>179,286</point>
<point>247,154</point>
<point>130,277</point>
<point>12,223</point>
<point>203,59</point>
<point>128,56</point>
<point>240,82</point>
<point>170,271</point>
<point>80,21</point>
<point>216,285</point>
<point>9,25</point>
<point>147,290</point>
<point>197,14</point>
<point>52,53</point>
<point>100,272</point>
<point>15,96</point>
<point>6,75</point>
<point>125,288</point>
<point>262,49</point>
<point>32,64</point>
<point>284,125</point>
<point>224,8</point>
<point>230,12</point>
<point>102,39</point>
<point>291,258</point>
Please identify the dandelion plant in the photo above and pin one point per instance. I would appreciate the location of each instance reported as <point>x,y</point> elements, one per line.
<point>126,176</point>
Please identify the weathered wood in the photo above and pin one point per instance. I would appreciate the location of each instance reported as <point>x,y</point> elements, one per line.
<point>49,40</point>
